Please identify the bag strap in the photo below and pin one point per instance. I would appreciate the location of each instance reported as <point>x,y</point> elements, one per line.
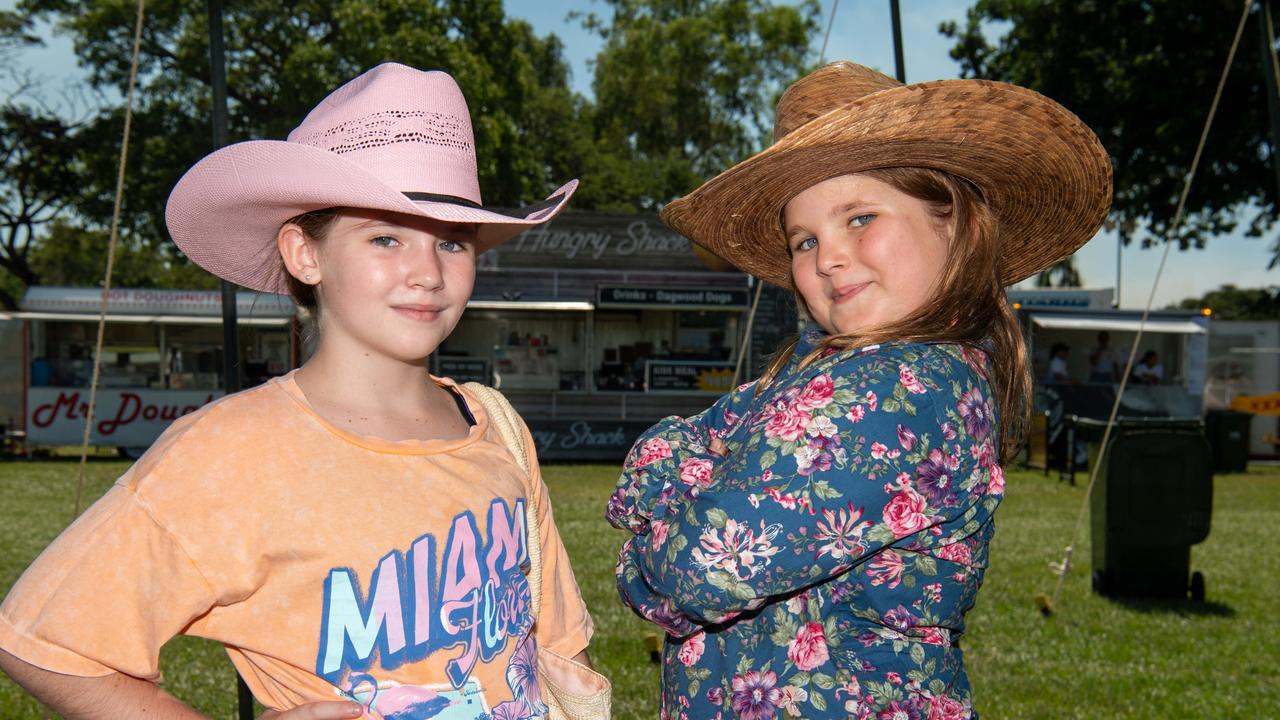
<point>508,422</point>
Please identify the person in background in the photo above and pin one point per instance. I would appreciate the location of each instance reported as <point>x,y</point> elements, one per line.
<point>1149,371</point>
<point>1058,355</point>
<point>1103,367</point>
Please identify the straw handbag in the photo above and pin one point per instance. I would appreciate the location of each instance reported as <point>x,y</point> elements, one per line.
<point>571,690</point>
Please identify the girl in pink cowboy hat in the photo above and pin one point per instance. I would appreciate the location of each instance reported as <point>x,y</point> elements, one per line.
<point>812,542</point>
<point>355,529</point>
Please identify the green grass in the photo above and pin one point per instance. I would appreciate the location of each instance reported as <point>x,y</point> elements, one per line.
<point>1094,658</point>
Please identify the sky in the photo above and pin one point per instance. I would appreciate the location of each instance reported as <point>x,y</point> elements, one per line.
<point>861,32</point>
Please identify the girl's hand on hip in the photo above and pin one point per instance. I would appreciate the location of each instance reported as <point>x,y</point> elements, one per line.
<point>327,710</point>
<point>718,447</point>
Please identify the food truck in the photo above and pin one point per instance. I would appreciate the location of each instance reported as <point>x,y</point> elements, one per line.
<point>161,359</point>
<point>1073,319</point>
<point>597,325</point>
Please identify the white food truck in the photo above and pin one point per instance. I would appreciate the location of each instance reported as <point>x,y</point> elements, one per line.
<point>161,359</point>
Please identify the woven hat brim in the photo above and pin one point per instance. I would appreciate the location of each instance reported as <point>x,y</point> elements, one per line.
<point>227,209</point>
<point>1042,170</point>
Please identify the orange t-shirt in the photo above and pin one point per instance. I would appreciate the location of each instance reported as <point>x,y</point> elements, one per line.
<point>331,565</point>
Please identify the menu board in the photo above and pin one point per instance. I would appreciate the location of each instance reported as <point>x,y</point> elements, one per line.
<point>688,376</point>
<point>774,325</point>
<point>464,369</point>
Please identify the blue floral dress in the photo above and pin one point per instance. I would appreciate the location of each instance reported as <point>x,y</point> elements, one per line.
<point>822,566</point>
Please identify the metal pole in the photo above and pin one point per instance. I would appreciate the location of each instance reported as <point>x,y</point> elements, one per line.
<point>230,323</point>
<point>218,83</point>
<point>1121,236</point>
<point>897,41</point>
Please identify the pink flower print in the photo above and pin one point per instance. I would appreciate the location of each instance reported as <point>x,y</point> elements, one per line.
<point>894,454</point>
<point>934,636</point>
<point>893,677</point>
<point>852,688</point>
<point>900,710</point>
<point>736,549</point>
<point>792,697</point>
<point>696,471</point>
<point>995,485</point>
<point>822,426</point>
<point>948,432</point>
<point>691,650</point>
<point>906,438</point>
<point>811,459</point>
<point>909,380</point>
<point>841,532</point>
<point>942,707</point>
<point>878,450</point>
<point>871,400</point>
<point>984,453</point>
<point>933,591</point>
<point>654,449</point>
<point>816,393</point>
<point>715,695</point>
<point>754,695</point>
<point>904,513</point>
<point>886,569</point>
<point>788,424</point>
<point>856,413</point>
<point>808,650</point>
<point>658,534</point>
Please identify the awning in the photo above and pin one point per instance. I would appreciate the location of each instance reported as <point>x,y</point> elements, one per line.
<point>145,319</point>
<point>1153,325</point>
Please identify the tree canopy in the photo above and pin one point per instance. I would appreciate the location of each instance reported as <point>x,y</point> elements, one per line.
<point>1232,303</point>
<point>1142,74</point>
<point>651,134</point>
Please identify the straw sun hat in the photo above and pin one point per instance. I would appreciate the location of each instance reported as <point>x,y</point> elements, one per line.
<point>1041,169</point>
<point>394,138</point>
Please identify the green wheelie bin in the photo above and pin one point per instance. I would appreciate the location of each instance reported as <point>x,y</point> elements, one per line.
<point>1228,434</point>
<point>1152,501</point>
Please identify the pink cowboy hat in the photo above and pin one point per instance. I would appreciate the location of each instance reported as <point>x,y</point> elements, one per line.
<point>394,138</point>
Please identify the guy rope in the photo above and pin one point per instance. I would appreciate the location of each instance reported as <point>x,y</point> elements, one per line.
<point>111,259</point>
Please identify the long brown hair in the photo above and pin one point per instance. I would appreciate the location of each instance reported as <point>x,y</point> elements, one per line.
<point>969,306</point>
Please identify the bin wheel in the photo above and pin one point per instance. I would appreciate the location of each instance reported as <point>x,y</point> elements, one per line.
<point>1197,586</point>
<point>1099,582</point>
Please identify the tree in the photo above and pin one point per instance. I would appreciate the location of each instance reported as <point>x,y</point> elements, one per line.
<point>1232,303</point>
<point>686,88</point>
<point>39,180</point>
<point>279,65</point>
<point>1142,74</point>
<point>1063,274</point>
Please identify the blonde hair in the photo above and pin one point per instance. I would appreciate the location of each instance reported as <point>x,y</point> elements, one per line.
<point>969,307</point>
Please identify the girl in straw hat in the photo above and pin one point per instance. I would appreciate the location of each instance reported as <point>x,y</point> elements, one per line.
<point>812,542</point>
<point>355,529</point>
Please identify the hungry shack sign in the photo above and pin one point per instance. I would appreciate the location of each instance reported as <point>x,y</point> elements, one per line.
<point>597,240</point>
